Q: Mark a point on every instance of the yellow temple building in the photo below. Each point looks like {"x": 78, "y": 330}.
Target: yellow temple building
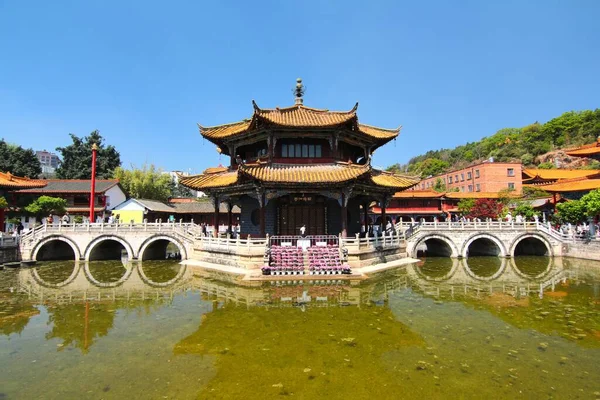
{"x": 299, "y": 166}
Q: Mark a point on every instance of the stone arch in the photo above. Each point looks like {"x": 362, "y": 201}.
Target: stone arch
{"x": 536, "y": 236}
{"x": 455, "y": 263}
{"x": 99, "y": 239}
{"x": 48, "y": 239}
{"x": 465, "y": 248}
{"x": 95, "y": 282}
{"x": 495, "y": 275}
{"x": 149, "y": 282}
{"x": 453, "y": 249}
{"x": 151, "y": 239}
{"x": 40, "y": 281}
{"x": 541, "y": 275}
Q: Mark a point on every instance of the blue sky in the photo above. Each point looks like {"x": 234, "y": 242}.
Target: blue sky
{"x": 145, "y": 72}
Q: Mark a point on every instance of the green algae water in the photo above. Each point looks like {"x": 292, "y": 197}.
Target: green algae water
{"x": 442, "y": 328}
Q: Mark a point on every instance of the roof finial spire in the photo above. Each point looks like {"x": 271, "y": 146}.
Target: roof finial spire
{"x": 299, "y": 91}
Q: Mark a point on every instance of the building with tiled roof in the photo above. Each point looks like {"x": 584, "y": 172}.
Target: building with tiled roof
{"x": 428, "y": 204}
{"x": 589, "y": 150}
{"x": 182, "y": 209}
{"x": 532, "y": 176}
{"x": 10, "y": 183}
{"x": 77, "y": 194}
{"x": 298, "y": 166}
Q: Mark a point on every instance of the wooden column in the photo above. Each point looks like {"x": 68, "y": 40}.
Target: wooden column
{"x": 216, "y": 203}
{"x": 229, "y": 217}
{"x": 383, "y": 216}
{"x": 344, "y": 216}
{"x": 262, "y": 214}
{"x": 366, "y": 218}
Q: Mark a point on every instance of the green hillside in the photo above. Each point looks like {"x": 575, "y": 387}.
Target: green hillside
{"x": 525, "y": 144}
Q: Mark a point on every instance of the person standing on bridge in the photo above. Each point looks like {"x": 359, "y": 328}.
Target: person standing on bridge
{"x": 66, "y": 219}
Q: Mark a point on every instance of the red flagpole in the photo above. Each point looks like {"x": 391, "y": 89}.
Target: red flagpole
{"x": 93, "y": 188}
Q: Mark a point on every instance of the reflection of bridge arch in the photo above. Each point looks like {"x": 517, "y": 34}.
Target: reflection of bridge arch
{"x": 149, "y": 282}
{"x": 496, "y": 274}
{"x": 517, "y": 270}
{"x": 47, "y": 240}
{"x": 453, "y": 250}
{"x": 96, "y": 282}
{"x": 484, "y": 237}
{"x": 103, "y": 238}
{"x": 450, "y": 274}
{"x": 42, "y": 282}
{"x": 167, "y": 238}
{"x": 532, "y": 237}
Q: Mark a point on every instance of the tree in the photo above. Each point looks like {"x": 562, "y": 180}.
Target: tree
{"x": 19, "y": 161}
{"x": 465, "y": 206}
{"x": 571, "y": 211}
{"x": 591, "y": 203}
{"x": 178, "y": 190}
{"x": 439, "y": 185}
{"x": 546, "y": 165}
{"x": 486, "y": 208}
{"x": 525, "y": 210}
{"x": 77, "y": 158}
{"x": 147, "y": 182}
{"x": 46, "y": 205}
{"x": 3, "y": 202}
{"x": 532, "y": 192}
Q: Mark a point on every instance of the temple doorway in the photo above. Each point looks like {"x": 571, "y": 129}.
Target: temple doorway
{"x": 296, "y": 210}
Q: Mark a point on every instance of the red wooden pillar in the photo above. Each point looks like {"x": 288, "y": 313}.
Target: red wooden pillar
{"x": 216, "y": 216}
{"x": 93, "y": 187}
{"x": 344, "y": 216}
{"x": 262, "y": 215}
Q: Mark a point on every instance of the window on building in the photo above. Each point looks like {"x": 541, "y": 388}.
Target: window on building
{"x": 296, "y": 150}
{"x": 469, "y": 176}
{"x": 510, "y": 171}
{"x": 455, "y": 178}
{"x": 511, "y": 185}
{"x": 462, "y": 177}
{"x": 449, "y": 179}
{"x": 462, "y": 188}
{"x": 477, "y": 187}
{"x": 476, "y": 173}
{"x": 470, "y": 188}
{"x": 81, "y": 200}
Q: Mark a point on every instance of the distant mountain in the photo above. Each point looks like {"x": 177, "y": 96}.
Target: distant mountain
{"x": 529, "y": 144}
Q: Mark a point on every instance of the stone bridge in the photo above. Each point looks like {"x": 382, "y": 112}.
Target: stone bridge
{"x": 464, "y": 239}
{"x": 88, "y": 242}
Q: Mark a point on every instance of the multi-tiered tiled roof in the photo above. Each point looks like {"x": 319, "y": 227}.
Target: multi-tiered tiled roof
{"x": 297, "y": 116}
{"x": 12, "y": 182}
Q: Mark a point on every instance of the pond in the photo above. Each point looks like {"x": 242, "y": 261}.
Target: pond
{"x": 478, "y": 328}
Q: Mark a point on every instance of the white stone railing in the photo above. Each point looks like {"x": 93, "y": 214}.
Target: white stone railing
{"x": 185, "y": 230}
{"x": 369, "y": 243}
{"x": 249, "y": 245}
{"x": 9, "y": 241}
{"x": 411, "y": 229}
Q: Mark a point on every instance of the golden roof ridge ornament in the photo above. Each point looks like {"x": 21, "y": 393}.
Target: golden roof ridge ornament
{"x": 299, "y": 92}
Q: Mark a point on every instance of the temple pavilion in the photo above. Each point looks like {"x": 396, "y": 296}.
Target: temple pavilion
{"x": 299, "y": 166}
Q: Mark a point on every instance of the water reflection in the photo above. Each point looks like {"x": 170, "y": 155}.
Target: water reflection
{"x": 478, "y": 329}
